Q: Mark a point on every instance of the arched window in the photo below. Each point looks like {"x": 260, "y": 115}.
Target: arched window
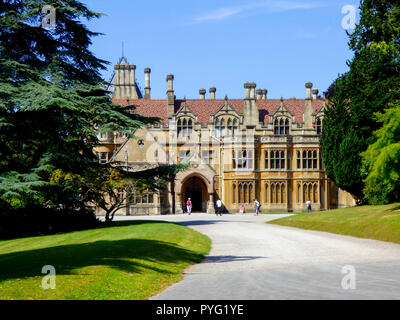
{"x": 190, "y": 127}
{"x": 305, "y": 193}
{"x": 250, "y": 193}
{"x": 315, "y": 188}
{"x": 230, "y": 127}
{"x": 298, "y": 193}
{"x": 283, "y": 193}
{"x": 315, "y": 160}
{"x": 235, "y": 127}
{"x": 217, "y": 129}
{"x": 223, "y": 128}
{"x": 298, "y": 160}
{"x": 319, "y": 126}
{"x": 184, "y": 131}
{"x": 278, "y": 193}
{"x": 282, "y": 160}
{"x": 282, "y": 127}
{"x": 272, "y": 157}
{"x": 273, "y": 193}
{"x": 185, "y": 127}
{"x": 179, "y": 127}
{"x": 287, "y": 127}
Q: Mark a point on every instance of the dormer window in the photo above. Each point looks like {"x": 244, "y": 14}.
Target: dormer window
{"x": 319, "y": 126}
{"x": 281, "y": 127}
{"x": 185, "y": 127}
{"x": 226, "y": 127}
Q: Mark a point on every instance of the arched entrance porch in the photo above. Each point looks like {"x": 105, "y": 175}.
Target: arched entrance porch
{"x": 196, "y": 183}
{"x": 195, "y": 189}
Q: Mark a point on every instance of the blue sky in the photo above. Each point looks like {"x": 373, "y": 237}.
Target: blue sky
{"x": 279, "y": 44}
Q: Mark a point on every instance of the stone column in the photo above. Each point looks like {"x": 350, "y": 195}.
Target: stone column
{"x": 178, "y": 204}
{"x": 210, "y": 204}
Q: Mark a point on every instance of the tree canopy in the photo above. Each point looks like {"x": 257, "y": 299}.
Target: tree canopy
{"x": 369, "y": 86}
{"x": 53, "y": 103}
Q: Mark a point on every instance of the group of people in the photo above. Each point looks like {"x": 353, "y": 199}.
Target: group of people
{"x": 219, "y": 207}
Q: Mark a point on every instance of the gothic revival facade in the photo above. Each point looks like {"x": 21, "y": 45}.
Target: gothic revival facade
{"x": 239, "y": 150}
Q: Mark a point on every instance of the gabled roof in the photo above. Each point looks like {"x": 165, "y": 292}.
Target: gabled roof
{"x": 205, "y": 108}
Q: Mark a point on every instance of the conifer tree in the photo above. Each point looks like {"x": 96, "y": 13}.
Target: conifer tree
{"x": 371, "y": 83}
{"x": 52, "y": 100}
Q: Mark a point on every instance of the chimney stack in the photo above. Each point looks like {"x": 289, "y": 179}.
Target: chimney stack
{"x": 202, "y": 94}
{"x": 247, "y": 91}
{"x": 259, "y": 93}
{"x": 309, "y": 86}
{"x": 212, "y": 93}
{"x": 147, "y": 88}
{"x": 170, "y": 96}
{"x": 124, "y": 82}
{"x": 253, "y": 91}
{"x": 315, "y": 94}
{"x": 264, "y": 94}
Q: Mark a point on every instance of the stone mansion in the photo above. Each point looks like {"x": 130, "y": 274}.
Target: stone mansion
{"x": 239, "y": 149}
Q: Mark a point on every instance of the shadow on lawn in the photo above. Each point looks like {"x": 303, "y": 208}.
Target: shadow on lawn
{"x": 114, "y": 254}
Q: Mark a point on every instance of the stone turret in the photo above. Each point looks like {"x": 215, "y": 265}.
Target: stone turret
{"x": 124, "y": 81}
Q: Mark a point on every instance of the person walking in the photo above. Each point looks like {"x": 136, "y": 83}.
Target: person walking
{"x": 308, "y": 203}
{"x": 189, "y": 206}
{"x": 242, "y": 209}
{"x": 257, "y": 206}
{"x": 219, "y": 207}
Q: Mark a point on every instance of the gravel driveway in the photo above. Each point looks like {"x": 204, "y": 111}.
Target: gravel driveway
{"x": 252, "y": 260}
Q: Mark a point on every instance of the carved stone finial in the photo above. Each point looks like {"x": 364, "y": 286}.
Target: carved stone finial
{"x": 226, "y": 97}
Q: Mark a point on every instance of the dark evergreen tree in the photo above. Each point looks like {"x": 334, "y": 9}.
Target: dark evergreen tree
{"x": 370, "y": 85}
{"x": 52, "y": 99}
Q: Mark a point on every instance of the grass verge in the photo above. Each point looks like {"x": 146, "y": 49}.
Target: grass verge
{"x": 372, "y": 222}
{"x": 134, "y": 261}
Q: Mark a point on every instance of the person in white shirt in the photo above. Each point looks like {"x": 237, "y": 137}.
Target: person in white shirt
{"x": 308, "y": 203}
{"x": 257, "y": 206}
{"x": 219, "y": 208}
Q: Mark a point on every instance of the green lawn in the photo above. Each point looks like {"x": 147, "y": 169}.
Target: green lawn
{"x": 129, "y": 261}
{"x": 373, "y": 222}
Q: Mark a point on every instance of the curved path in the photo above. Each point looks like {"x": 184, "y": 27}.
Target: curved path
{"x": 252, "y": 260}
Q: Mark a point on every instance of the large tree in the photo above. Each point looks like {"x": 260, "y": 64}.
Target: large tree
{"x": 371, "y": 83}
{"x": 52, "y": 100}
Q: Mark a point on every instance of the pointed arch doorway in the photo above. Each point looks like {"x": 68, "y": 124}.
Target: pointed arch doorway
{"x": 196, "y": 189}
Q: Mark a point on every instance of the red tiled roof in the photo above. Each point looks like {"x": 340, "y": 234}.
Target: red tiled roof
{"x": 205, "y": 108}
